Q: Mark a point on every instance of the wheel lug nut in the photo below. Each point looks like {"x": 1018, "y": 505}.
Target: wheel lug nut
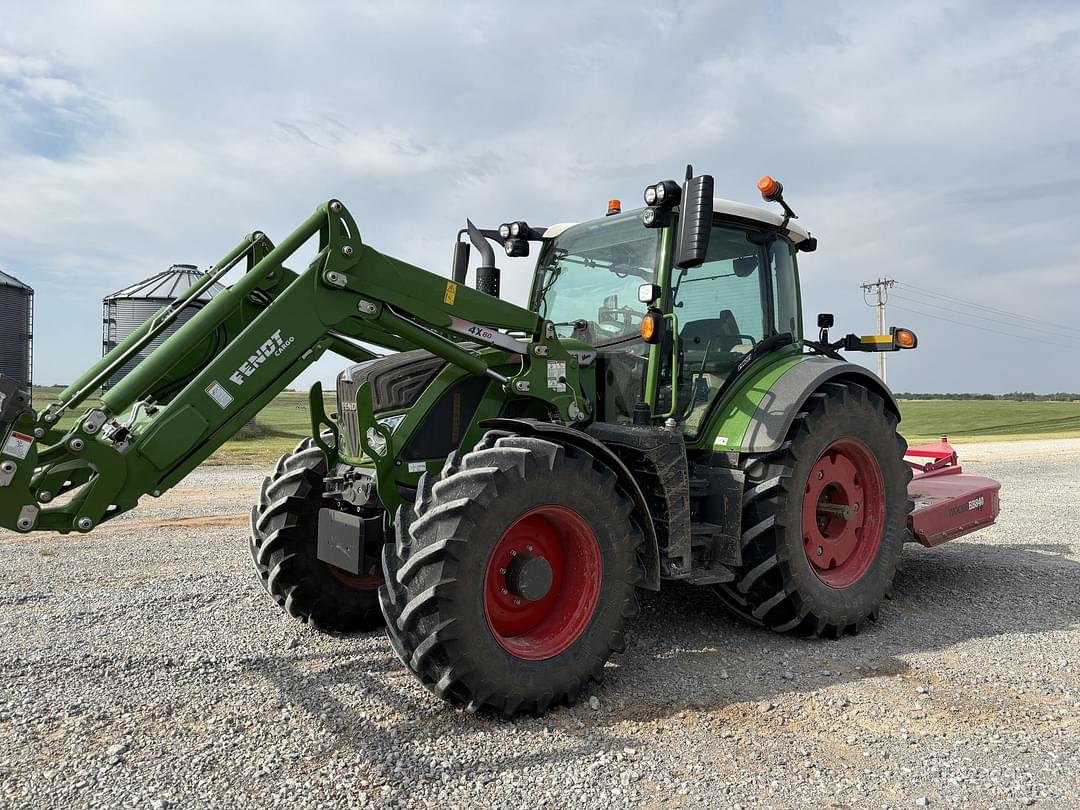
{"x": 513, "y": 553}
{"x": 504, "y": 592}
{"x": 502, "y": 570}
{"x": 517, "y": 601}
{"x": 820, "y": 551}
{"x": 855, "y": 508}
{"x": 820, "y": 474}
{"x": 528, "y": 548}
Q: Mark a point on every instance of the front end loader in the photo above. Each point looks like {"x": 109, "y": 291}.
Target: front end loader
{"x": 498, "y": 487}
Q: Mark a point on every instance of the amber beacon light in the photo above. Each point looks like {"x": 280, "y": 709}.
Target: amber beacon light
{"x": 770, "y": 188}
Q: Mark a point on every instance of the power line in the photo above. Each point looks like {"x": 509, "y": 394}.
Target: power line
{"x": 953, "y": 315}
{"x": 995, "y": 331}
{"x": 995, "y": 310}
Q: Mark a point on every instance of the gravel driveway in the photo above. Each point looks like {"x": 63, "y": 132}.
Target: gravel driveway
{"x": 143, "y": 666}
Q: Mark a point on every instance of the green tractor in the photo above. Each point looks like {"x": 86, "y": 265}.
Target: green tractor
{"x": 498, "y": 488}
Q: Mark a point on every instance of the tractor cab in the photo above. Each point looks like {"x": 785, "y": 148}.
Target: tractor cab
{"x": 671, "y": 330}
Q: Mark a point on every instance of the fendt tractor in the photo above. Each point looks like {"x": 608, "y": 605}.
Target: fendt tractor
{"x": 498, "y": 487}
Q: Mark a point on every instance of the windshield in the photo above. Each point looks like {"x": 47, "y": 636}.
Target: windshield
{"x": 588, "y": 278}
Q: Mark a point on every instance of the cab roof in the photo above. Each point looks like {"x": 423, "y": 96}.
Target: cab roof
{"x": 724, "y": 207}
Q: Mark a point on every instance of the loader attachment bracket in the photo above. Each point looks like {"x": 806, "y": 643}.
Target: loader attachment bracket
{"x": 13, "y": 402}
{"x": 320, "y": 422}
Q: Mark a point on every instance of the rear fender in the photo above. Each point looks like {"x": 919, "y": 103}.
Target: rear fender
{"x": 571, "y": 436}
{"x": 771, "y": 419}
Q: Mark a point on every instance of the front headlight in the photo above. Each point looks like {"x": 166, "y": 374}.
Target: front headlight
{"x": 376, "y": 441}
{"x": 391, "y": 422}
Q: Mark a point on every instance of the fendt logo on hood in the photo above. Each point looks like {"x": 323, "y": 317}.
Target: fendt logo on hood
{"x": 274, "y": 346}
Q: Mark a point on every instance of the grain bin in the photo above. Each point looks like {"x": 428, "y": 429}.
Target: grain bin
{"x": 127, "y": 309}
{"x": 16, "y": 330}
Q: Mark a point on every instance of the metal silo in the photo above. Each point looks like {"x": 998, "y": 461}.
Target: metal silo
{"x": 16, "y": 330}
{"x": 127, "y": 309}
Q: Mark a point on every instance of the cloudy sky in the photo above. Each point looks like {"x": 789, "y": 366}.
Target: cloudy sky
{"x": 937, "y": 144}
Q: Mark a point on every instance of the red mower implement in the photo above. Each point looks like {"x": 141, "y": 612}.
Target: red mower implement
{"x": 949, "y": 503}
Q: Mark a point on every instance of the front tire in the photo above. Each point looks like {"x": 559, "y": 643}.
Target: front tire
{"x": 513, "y": 575}
{"x": 824, "y": 518}
{"x": 284, "y": 549}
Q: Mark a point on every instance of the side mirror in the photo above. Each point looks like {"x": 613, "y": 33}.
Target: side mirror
{"x": 825, "y": 320}
{"x": 461, "y": 262}
{"x": 695, "y": 222}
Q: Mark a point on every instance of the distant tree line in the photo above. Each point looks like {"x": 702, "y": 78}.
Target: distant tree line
{"x": 1015, "y": 396}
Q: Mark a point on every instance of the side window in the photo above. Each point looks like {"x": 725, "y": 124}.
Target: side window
{"x": 785, "y": 287}
{"x": 722, "y": 298}
{"x": 722, "y": 313}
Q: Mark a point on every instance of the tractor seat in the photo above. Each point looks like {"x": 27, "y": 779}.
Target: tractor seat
{"x": 716, "y": 335}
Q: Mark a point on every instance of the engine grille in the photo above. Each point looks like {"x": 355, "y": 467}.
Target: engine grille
{"x": 396, "y": 383}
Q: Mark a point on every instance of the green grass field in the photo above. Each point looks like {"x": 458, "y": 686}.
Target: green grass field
{"x": 988, "y": 420}
{"x": 285, "y": 421}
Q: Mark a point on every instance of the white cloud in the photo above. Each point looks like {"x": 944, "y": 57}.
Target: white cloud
{"x": 922, "y": 142}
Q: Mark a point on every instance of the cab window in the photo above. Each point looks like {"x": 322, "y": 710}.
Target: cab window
{"x": 722, "y": 313}
{"x": 785, "y": 287}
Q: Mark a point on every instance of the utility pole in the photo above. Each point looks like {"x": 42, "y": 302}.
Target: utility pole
{"x": 880, "y": 288}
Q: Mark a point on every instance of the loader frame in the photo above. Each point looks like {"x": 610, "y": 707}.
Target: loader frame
{"x": 217, "y": 371}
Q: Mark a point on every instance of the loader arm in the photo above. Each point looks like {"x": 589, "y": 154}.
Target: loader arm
{"x": 218, "y": 370}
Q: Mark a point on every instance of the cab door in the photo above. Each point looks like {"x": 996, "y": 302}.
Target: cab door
{"x": 718, "y": 312}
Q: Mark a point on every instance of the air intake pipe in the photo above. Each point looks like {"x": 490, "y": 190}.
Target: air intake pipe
{"x": 487, "y": 274}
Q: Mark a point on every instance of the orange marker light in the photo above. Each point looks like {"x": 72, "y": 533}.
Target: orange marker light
{"x": 905, "y": 339}
{"x": 614, "y": 207}
{"x": 770, "y": 189}
{"x": 650, "y": 331}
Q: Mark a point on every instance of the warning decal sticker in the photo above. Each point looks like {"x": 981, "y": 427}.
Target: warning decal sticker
{"x": 17, "y": 445}
{"x": 218, "y": 393}
{"x": 556, "y": 375}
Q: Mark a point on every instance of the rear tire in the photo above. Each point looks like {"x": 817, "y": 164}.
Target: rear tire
{"x": 284, "y": 546}
{"x": 513, "y": 575}
{"x": 824, "y": 519}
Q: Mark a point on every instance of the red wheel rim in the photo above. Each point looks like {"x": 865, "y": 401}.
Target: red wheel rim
{"x": 358, "y": 582}
{"x": 843, "y": 513}
{"x": 551, "y": 537}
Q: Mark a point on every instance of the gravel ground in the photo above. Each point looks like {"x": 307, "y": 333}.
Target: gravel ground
{"x": 144, "y": 667}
